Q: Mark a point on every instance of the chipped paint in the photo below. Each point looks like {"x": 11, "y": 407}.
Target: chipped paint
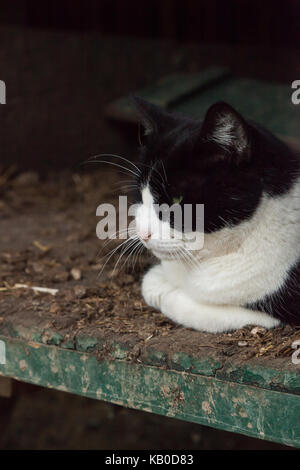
{"x": 200, "y": 398}
{"x": 34, "y": 345}
{"x": 23, "y": 365}
{"x": 206, "y": 407}
{"x": 242, "y": 413}
{"x": 54, "y": 369}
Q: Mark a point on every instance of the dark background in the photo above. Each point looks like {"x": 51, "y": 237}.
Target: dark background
{"x": 248, "y": 22}
{"x": 64, "y": 61}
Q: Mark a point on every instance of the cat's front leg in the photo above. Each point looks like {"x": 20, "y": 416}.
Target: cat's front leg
{"x": 179, "y": 307}
{"x": 155, "y": 286}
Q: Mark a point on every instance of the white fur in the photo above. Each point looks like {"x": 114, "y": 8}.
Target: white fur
{"x": 223, "y": 134}
{"x": 226, "y": 134}
{"x": 207, "y": 289}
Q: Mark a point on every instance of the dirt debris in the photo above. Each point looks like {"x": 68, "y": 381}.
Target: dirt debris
{"x": 49, "y": 240}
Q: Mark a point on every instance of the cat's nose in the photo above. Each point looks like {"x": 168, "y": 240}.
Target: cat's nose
{"x": 144, "y": 235}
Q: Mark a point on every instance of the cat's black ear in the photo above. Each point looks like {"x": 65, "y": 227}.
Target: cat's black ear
{"x": 153, "y": 118}
{"x": 226, "y": 129}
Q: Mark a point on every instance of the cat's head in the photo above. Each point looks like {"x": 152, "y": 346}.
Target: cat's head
{"x": 219, "y": 163}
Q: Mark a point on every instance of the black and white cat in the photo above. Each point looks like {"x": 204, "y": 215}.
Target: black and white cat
{"x": 248, "y": 271}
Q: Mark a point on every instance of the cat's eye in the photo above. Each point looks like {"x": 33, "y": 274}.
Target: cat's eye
{"x": 177, "y": 200}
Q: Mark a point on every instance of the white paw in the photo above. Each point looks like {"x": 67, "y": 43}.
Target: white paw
{"x": 264, "y": 320}
{"x": 154, "y": 286}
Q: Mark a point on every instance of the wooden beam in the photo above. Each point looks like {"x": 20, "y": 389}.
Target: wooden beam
{"x": 243, "y": 400}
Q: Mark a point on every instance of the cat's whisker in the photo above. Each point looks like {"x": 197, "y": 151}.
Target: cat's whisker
{"x": 116, "y": 165}
{"x": 183, "y": 256}
{"x": 189, "y": 257}
{"x": 114, "y": 236}
{"x": 120, "y": 184}
{"x": 132, "y": 254}
{"x": 138, "y": 255}
{"x": 164, "y": 170}
{"x": 126, "y": 248}
{"x": 152, "y": 168}
{"x": 101, "y": 155}
{"x": 128, "y": 187}
{"x": 193, "y": 257}
{"x": 110, "y": 254}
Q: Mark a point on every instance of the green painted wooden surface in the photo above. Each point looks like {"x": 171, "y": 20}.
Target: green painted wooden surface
{"x": 253, "y": 400}
{"x": 191, "y": 94}
{"x": 264, "y": 102}
{"x": 280, "y": 375}
{"x": 167, "y": 91}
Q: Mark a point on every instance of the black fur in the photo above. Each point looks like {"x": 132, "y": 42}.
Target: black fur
{"x": 285, "y": 303}
{"x": 228, "y": 180}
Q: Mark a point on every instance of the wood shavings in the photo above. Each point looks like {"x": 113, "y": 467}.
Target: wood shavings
{"x": 36, "y": 288}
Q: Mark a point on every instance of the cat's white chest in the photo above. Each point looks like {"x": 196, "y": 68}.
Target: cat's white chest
{"x": 176, "y": 273}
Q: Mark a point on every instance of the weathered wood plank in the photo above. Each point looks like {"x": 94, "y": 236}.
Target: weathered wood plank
{"x": 280, "y": 375}
{"x": 224, "y": 404}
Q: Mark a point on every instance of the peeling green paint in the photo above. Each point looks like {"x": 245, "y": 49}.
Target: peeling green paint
{"x": 206, "y": 366}
{"x": 120, "y": 351}
{"x": 52, "y": 337}
{"x": 257, "y": 398}
{"x": 86, "y": 343}
{"x": 204, "y": 399}
{"x": 267, "y": 377}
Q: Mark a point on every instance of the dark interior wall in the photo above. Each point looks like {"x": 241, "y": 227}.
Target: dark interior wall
{"x": 63, "y": 62}
{"x": 269, "y": 22}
